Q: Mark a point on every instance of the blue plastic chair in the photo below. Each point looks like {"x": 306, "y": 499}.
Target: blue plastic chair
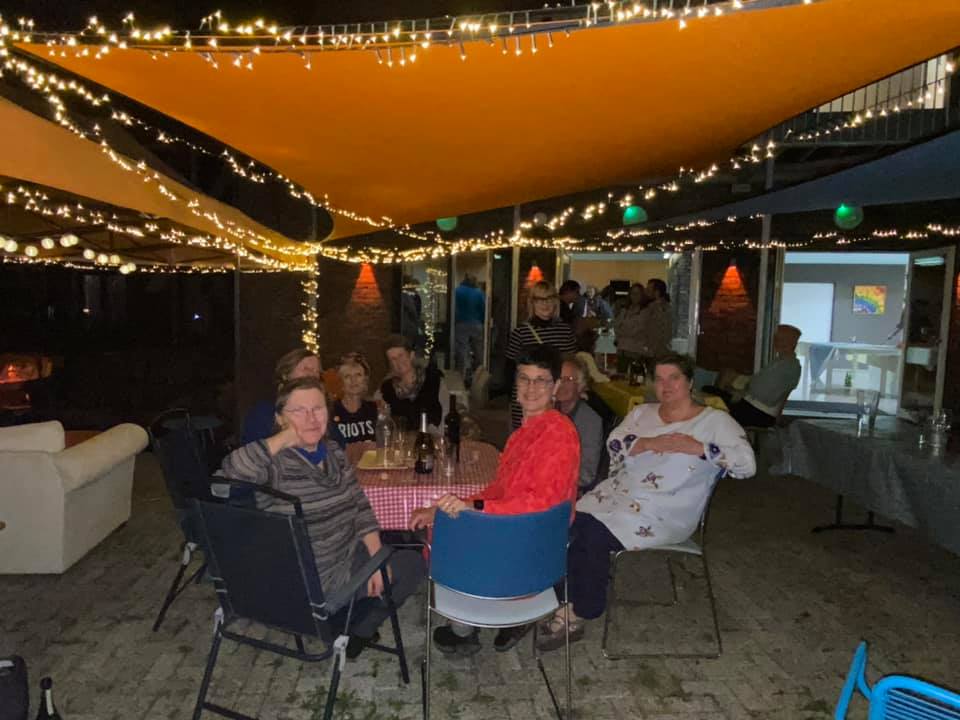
{"x": 497, "y": 571}
{"x": 896, "y": 697}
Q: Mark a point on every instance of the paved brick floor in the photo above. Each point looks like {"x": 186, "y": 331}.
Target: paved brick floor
{"x": 792, "y": 607}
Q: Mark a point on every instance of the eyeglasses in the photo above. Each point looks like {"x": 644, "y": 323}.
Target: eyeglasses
{"x": 540, "y": 383}
{"x": 568, "y": 378}
{"x": 545, "y": 298}
{"x": 302, "y": 412}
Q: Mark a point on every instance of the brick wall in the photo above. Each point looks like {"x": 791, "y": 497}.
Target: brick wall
{"x": 355, "y": 308}
{"x": 728, "y": 310}
{"x": 270, "y": 325}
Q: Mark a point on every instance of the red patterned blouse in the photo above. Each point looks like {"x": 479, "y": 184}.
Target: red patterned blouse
{"x": 538, "y": 469}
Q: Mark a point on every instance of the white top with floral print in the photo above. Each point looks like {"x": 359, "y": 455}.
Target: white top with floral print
{"x": 653, "y": 499}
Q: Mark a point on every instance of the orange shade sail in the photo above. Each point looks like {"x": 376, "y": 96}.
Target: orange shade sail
{"x": 603, "y": 107}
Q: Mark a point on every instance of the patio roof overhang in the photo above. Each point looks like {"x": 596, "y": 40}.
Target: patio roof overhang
{"x": 605, "y": 106}
{"x": 36, "y": 151}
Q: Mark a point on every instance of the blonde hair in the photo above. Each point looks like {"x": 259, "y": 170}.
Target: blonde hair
{"x": 546, "y": 290}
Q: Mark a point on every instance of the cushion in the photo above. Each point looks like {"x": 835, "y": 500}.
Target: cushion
{"x": 33, "y": 437}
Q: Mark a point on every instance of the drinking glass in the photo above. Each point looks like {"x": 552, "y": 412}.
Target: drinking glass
{"x": 446, "y": 459}
{"x": 867, "y": 404}
{"x": 940, "y": 425}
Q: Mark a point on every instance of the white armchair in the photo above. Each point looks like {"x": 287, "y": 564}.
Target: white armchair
{"x": 56, "y": 504}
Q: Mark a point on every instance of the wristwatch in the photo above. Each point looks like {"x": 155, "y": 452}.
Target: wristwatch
{"x": 478, "y": 505}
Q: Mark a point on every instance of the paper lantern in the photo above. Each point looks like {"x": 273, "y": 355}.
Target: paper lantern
{"x": 634, "y": 215}
{"x": 447, "y": 224}
{"x": 540, "y": 219}
{"x": 847, "y": 217}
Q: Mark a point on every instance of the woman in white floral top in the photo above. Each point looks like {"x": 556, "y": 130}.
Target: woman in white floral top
{"x": 665, "y": 458}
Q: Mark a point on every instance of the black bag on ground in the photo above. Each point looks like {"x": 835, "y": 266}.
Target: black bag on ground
{"x": 14, "y": 693}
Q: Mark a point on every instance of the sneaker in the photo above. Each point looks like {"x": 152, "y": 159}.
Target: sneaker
{"x": 356, "y": 645}
{"x": 449, "y": 643}
{"x": 510, "y": 636}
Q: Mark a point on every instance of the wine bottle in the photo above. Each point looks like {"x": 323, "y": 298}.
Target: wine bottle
{"x": 47, "y": 709}
{"x": 453, "y": 426}
{"x": 424, "y": 449}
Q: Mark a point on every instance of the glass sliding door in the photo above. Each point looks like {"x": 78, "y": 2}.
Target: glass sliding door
{"x": 923, "y": 331}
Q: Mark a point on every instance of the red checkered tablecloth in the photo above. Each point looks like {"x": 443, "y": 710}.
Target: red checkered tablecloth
{"x": 395, "y": 494}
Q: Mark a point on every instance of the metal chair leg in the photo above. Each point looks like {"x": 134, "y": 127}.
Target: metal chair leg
{"x": 334, "y": 684}
{"x": 395, "y": 625}
{"x": 610, "y": 604}
{"x": 713, "y": 603}
{"x": 208, "y": 673}
{"x": 175, "y": 587}
{"x": 425, "y": 674}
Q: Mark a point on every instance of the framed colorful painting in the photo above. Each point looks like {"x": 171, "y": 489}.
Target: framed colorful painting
{"x": 869, "y": 299}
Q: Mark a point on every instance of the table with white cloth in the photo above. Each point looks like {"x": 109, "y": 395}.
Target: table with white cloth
{"x": 885, "y": 471}
{"x": 395, "y": 494}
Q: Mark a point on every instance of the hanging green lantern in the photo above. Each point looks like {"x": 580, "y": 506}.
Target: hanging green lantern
{"x": 447, "y": 224}
{"x": 847, "y": 217}
{"x": 634, "y": 215}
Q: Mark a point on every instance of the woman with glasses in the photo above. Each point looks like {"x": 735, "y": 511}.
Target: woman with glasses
{"x": 353, "y": 415}
{"x": 571, "y": 401}
{"x": 300, "y": 460}
{"x": 538, "y": 469}
{"x": 543, "y": 327}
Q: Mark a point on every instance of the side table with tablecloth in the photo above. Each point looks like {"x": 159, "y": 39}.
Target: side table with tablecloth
{"x": 395, "y": 494}
{"x": 885, "y": 472}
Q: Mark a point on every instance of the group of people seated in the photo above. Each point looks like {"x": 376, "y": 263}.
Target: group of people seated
{"x": 664, "y": 459}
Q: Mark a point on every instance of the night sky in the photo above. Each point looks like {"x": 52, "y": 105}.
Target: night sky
{"x": 186, "y": 14}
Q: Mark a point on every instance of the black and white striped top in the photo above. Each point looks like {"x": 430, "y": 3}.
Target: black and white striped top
{"x": 335, "y": 508}
{"x": 555, "y": 333}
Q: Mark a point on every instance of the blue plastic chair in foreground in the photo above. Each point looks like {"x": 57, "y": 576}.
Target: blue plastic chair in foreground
{"x": 896, "y": 697}
{"x": 497, "y": 571}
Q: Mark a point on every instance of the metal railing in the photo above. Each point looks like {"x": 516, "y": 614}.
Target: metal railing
{"x": 900, "y": 108}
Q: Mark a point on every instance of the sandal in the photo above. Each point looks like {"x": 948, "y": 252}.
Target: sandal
{"x": 552, "y": 633}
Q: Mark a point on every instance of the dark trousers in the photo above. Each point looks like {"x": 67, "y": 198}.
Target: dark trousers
{"x": 749, "y": 416}
{"x": 407, "y": 571}
{"x": 588, "y": 565}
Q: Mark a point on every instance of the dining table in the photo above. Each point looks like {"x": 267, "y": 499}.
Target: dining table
{"x": 622, "y": 397}
{"x": 884, "y": 469}
{"x": 395, "y": 492}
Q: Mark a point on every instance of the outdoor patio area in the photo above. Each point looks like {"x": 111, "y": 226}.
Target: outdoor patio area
{"x": 792, "y": 607}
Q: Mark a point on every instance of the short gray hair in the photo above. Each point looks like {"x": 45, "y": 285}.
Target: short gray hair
{"x": 582, "y": 373}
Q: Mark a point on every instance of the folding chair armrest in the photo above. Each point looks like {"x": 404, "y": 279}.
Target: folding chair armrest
{"x": 342, "y": 597}
{"x": 256, "y": 488}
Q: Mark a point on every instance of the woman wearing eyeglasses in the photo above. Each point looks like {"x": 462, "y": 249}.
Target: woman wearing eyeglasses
{"x": 543, "y": 327}
{"x": 538, "y": 469}
{"x": 299, "y": 459}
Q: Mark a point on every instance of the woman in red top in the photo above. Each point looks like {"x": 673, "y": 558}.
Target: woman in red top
{"x": 538, "y": 469}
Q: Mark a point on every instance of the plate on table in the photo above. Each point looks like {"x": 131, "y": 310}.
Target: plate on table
{"x": 369, "y": 461}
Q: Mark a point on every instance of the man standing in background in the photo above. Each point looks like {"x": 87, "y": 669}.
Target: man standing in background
{"x": 469, "y": 307}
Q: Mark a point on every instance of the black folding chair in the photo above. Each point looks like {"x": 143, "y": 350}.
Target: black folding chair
{"x": 186, "y": 477}
{"x": 263, "y": 570}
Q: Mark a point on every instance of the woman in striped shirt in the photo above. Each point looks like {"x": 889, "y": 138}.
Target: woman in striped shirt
{"x": 543, "y": 327}
{"x": 301, "y": 460}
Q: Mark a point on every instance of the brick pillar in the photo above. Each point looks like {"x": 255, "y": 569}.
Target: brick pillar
{"x": 728, "y": 310}
{"x": 355, "y": 309}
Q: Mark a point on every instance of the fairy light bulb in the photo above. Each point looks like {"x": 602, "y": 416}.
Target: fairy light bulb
{"x": 31, "y": 251}
{"x": 89, "y": 254}
{"x": 48, "y": 243}
{"x": 103, "y": 259}
{"x": 10, "y": 246}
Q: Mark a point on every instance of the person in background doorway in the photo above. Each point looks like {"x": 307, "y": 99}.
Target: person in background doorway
{"x": 469, "y": 308}
{"x": 572, "y": 303}
{"x": 657, "y": 322}
{"x": 628, "y": 327}
{"x": 353, "y": 414}
{"x": 586, "y": 346}
{"x": 596, "y": 306}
